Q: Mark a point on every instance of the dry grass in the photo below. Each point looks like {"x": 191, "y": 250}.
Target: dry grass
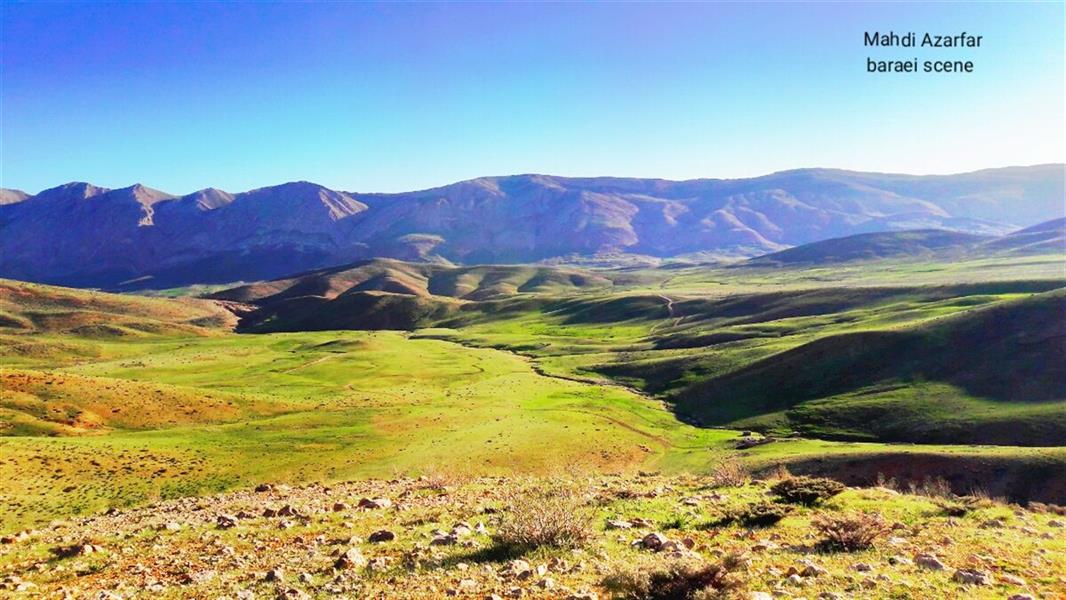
{"x": 729, "y": 472}
{"x": 440, "y": 480}
{"x": 679, "y": 579}
{"x": 932, "y": 487}
{"x": 850, "y": 532}
{"x": 555, "y": 516}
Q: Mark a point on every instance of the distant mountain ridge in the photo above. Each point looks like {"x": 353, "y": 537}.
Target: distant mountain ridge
{"x": 82, "y": 235}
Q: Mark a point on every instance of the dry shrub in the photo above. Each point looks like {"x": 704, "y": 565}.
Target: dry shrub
{"x": 850, "y": 532}
{"x": 439, "y": 480}
{"x": 983, "y": 496}
{"x": 807, "y": 491}
{"x": 555, "y": 515}
{"x": 933, "y": 487}
{"x": 889, "y": 483}
{"x": 679, "y": 579}
{"x": 960, "y": 506}
{"x": 776, "y": 473}
{"x": 729, "y": 473}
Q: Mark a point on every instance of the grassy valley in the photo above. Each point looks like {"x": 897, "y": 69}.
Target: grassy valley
{"x": 384, "y": 369}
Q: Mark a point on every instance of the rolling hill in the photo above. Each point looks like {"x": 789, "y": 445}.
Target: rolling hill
{"x": 1049, "y": 236}
{"x": 83, "y": 235}
{"x": 28, "y": 309}
{"x": 391, "y": 294}
{"x": 921, "y": 244}
{"x": 983, "y": 376}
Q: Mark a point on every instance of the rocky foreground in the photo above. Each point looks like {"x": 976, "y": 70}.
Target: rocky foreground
{"x": 644, "y": 536}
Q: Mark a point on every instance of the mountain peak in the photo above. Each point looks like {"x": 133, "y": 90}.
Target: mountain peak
{"x": 296, "y": 195}
{"x": 143, "y": 194}
{"x": 75, "y": 190}
{"x": 10, "y": 196}
{"x": 209, "y": 198}
{"x": 524, "y": 218}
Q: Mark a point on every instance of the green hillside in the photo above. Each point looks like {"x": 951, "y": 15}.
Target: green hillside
{"x": 915, "y": 244}
{"x": 996, "y": 374}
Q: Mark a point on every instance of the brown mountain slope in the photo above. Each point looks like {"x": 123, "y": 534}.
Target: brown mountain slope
{"x": 133, "y": 238}
{"x": 391, "y": 294}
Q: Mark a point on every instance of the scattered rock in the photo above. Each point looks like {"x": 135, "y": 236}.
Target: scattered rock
{"x": 929, "y": 561}
{"x": 11, "y": 539}
{"x": 226, "y": 521}
{"x": 289, "y": 511}
{"x": 971, "y": 577}
{"x": 751, "y": 442}
{"x": 653, "y": 541}
{"x": 619, "y": 524}
{"x": 275, "y": 574}
{"x": 373, "y": 503}
{"x": 517, "y": 568}
{"x": 76, "y": 550}
{"x": 350, "y": 559}
{"x": 813, "y": 570}
{"x": 383, "y": 535}
{"x": 1011, "y": 579}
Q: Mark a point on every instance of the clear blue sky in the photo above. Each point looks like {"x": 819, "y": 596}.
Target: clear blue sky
{"x": 392, "y": 97}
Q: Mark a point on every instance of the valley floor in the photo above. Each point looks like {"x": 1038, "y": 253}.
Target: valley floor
{"x": 167, "y": 418}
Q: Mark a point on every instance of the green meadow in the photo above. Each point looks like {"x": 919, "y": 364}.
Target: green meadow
{"x": 121, "y": 400}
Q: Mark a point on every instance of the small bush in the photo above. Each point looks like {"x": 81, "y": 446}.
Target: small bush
{"x": 729, "y": 473}
{"x": 683, "y": 579}
{"x": 807, "y": 491}
{"x": 438, "y": 480}
{"x": 555, "y": 517}
{"x": 763, "y": 514}
{"x": 960, "y": 506}
{"x": 933, "y": 487}
{"x": 850, "y": 532}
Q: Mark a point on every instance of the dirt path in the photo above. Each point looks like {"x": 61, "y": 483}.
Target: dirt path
{"x": 309, "y": 363}
{"x": 670, "y": 312}
{"x": 666, "y": 443}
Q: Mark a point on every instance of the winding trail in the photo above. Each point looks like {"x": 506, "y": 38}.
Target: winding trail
{"x": 671, "y": 314}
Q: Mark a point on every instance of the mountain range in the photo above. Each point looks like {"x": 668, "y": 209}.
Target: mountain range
{"x": 137, "y": 237}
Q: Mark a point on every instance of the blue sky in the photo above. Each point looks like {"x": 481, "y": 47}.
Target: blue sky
{"x": 393, "y": 97}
